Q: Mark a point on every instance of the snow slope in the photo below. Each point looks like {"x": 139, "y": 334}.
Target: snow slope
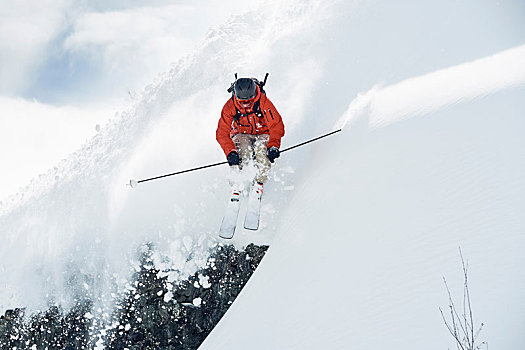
{"x": 424, "y": 166}
{"x": 362, "y": 225}
{"x": 359, "y": 260}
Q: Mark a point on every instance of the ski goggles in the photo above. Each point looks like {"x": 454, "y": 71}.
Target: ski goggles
{"x": 246, "y": 103}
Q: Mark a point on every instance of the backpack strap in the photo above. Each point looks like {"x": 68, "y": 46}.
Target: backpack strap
{"x": 256, "y": 110}
{"x": 261, "y": 83}
{"x": 238, "y": 113}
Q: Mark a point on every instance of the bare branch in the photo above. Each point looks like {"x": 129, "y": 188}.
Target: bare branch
{"x": 452, "y": 331}
{"x": 461, "y": 327}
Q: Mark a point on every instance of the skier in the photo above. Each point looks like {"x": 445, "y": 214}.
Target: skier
{"x": 250, "y": 128}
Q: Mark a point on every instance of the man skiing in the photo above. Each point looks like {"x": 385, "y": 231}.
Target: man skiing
{"x": 250, "y": 128}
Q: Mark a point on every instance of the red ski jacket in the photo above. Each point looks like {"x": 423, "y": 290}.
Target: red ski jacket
{"x": 261, "y": 118}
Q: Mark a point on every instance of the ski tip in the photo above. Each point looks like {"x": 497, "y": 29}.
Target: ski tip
{"x": 132, "y": 183}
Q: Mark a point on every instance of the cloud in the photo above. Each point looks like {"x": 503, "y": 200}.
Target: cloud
{"x": 58, "y": 50}
{"x": 131, "y": 46}
{"x": 26, "y": 30}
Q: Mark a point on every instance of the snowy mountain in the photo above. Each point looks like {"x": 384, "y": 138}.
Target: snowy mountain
{"x": 362, "y": 226}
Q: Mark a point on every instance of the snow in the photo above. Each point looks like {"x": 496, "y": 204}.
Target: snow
{"x": 197, "y": 302}
{"x": 204, "y": 281}
{"x": 168, "y": 296}
{"x": 362, "y": 225}
{"x": 390, "y": 217}
{"x": 436, "y": 90}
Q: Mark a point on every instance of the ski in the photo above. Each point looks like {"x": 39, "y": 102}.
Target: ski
{"x": 253, "y": 212}
{"x": 229, "y": 221}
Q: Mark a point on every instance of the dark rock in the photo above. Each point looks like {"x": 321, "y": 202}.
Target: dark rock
{"x": 144, "y": 319}
{"x": 52, "y": 329}
{"x": 179, "y": 324}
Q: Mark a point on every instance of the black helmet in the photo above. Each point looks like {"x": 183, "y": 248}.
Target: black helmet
{"x": 244, "y": 89}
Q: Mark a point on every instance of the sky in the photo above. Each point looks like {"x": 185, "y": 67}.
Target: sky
{"x": 66, "y": 67}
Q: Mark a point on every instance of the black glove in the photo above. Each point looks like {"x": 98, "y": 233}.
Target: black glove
{"x": 273, "y": 152}
{"x": 233, "y": 158}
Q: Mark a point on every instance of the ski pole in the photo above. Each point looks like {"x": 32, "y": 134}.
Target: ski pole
{"x": 134, "y": 183}
{"x": 312, "y": 140}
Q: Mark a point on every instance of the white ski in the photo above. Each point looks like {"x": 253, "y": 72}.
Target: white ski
{"x": 251, "y": 220}
{"x": 229, "y": 221}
